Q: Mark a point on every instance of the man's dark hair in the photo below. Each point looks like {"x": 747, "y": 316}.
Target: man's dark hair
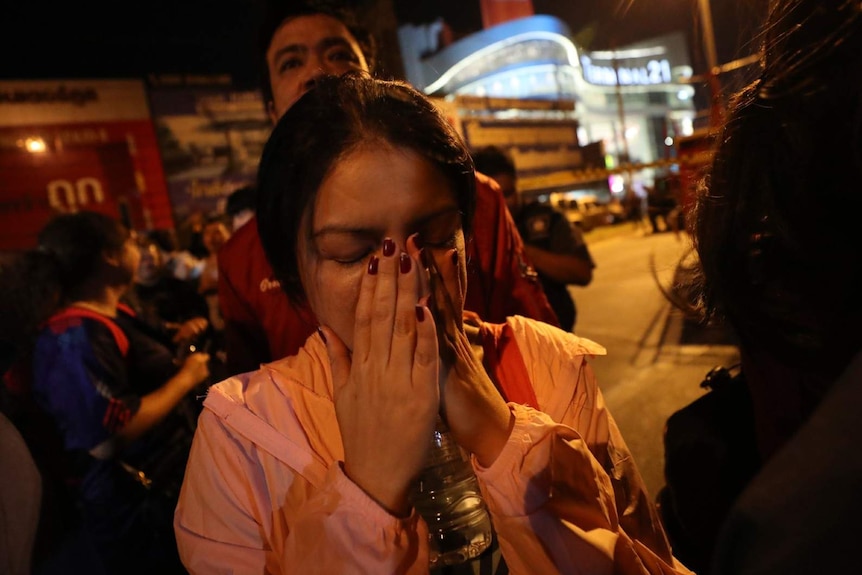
{"x": 277, "y": 11}
{"x": 240, "y": 199}
{"x": 328, "y": 122}
{"x": 492, "y": 160}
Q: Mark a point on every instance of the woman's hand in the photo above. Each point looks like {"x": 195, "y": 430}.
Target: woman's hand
{"x": 386, "y": 391}
{"x": 477, "y": 415}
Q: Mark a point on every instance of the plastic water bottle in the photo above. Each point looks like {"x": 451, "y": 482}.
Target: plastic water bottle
{"x": 447, "y": 496}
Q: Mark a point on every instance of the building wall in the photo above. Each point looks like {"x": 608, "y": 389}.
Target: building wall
{"x": 72, "y": 145}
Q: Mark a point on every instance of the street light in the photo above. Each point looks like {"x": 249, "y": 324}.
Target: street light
{"x": 716, "y": 109}
{"x": 708, "y": 34}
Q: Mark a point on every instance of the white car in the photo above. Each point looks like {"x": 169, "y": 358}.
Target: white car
{"x": 586, "y": 212}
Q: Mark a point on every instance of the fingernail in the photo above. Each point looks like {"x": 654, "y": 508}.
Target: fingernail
{"x": 455, "y": 257}
{"x": 388, "y": 247}
{"x": 404, "y": 263}
{"x": 417, "y": 241}
{"x": 372, "y": 265}
{"x": 322, "y": 335}
{"x": 420, "y": 313}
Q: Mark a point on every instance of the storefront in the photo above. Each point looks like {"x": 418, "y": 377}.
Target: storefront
{"x": 78, "y": 144}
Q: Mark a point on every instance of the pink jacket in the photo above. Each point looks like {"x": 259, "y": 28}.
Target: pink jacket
{"x": 263, "y": 492}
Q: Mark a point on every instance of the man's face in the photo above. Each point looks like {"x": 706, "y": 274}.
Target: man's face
{"x": 303, "y": 49}
{"x": 150, "y": 265}
{"x": 215, "y": 235}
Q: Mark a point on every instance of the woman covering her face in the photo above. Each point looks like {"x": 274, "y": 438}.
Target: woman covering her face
{"x": 305, "y": 465}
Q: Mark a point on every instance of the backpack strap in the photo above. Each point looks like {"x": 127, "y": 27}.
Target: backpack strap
{"x": 126, "y": 310}
{"x": 71, "y": 314}
{"x": 505, "y": 364}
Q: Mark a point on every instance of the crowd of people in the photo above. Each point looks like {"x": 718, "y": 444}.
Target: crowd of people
{"x": 258, "y": 397}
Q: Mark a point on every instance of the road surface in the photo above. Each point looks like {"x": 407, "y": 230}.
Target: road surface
{"x": 656, "y": 359}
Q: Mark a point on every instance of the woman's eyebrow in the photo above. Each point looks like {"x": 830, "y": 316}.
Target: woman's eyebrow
{"x": 368, "y": 231}
{"x": 345, "y": 230}
{"x": 438, "y": 214}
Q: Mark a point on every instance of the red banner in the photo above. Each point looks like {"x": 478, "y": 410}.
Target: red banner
{"x": 70, "y": 164}
{"x": 499, "y": 11}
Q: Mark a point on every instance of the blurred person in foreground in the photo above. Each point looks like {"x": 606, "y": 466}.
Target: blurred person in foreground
{"x": 776, "y": 231}
{"x": 89, "y": 379}
{"x": 555, "y": 246}
{"x": 366, "y": 197}
{"x": 299, "y": 42}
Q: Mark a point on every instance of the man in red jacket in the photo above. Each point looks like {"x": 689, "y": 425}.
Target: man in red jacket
{"x": 299, "y": 43}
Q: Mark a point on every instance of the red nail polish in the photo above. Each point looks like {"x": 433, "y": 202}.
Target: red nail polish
{"x": 388, "y": 247}
{"x": 372, "y": 265}
{"x": 417, "y": 241}
{"x": 404, "y": 263}
{"x": 420, "y": 313}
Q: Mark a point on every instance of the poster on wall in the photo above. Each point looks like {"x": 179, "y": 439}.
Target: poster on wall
{"x": 210, "y": 139}
{"x": 70, "y": 145}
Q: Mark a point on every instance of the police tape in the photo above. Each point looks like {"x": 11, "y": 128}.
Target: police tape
{"x": 689, "y": 164}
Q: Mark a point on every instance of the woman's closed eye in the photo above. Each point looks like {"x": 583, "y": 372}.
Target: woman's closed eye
{"x": 344, "y": 249}
{"x": 447, "y": 242}
{"x": 352, "y": 260}
{"x": 441, "y": 231}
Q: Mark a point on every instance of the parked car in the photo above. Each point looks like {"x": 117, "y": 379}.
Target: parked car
{"x": 586, "y": 212}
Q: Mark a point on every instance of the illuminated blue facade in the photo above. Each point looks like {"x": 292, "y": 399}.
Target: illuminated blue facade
{"x": 634, "y": 99}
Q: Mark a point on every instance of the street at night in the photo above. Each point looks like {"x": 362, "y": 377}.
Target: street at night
{"x": 290, "y": 286}
{"x": 656, "y": 360}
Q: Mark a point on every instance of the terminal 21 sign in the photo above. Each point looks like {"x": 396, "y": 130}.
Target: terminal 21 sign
{"x": 646, "y": 74}
{"x": 661, "y": 61}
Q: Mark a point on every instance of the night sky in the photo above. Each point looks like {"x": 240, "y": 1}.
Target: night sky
{"x": 113, "y": 39}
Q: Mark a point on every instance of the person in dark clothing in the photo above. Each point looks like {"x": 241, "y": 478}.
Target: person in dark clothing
{"x": 170, "y": 306}
{"x": 107, "y": 399}
{"x": 553, "y": 244}
{"x": 775, "y": 226}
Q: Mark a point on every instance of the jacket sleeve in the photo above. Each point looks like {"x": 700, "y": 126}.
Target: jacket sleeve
{"x": 571, "y": 478}
{"x": 509, "y": 280}
{"x": 231, "y": 518}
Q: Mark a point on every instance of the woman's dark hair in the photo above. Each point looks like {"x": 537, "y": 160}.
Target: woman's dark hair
{"x": 276, "y": 12}
{"x": 37, "y": 282}
{"x": 776, "y": 223}
{"x": 327, "y": 123}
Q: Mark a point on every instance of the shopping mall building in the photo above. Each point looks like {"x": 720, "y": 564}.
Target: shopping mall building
{"x": 564, "y": 114}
